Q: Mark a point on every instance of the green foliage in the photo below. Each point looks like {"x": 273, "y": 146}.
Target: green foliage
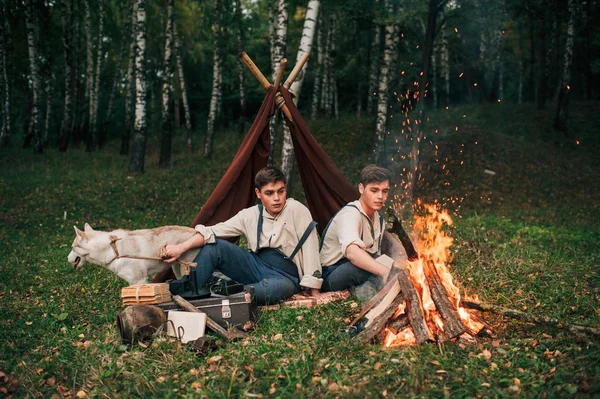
{"x": 525, "y": 238}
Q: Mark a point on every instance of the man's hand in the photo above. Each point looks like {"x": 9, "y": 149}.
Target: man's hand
{"x": 173, "y": 252}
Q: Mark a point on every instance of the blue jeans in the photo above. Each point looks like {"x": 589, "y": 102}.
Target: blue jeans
{"x": 342, "y": 275}
{"x": 273, "y": 281}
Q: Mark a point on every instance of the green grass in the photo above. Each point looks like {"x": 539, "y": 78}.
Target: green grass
{"x": 526, "y": 238}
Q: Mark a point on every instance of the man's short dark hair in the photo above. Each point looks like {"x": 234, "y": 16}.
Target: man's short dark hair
{"x": 374, "y": 174}
{"x": 268, "y": 175}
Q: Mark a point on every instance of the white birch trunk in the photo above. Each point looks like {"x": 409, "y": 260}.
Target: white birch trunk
{"x": 96, "y": 89}
{"x": 165, "y": 140}
{"x": 563, "y": 99}
{"x": 382, "y": 91}
{"x": 186, "y": 106}
{"x": 216, "y": 84}
{"x": 34, "y": 124}
{"x": 445, "y": 65}
{"x": 318, "y": 74}
{"x": 331, "y": 85}
{"x": 89, "y": 81}
{"x": 308, "y": 34}
{"x": 520, "y": 86}
{"x": 130, "y": 84}
{"x": 240, "y": 65}
{"x": 278, "y": 47}
{"x": 138, "y": 148}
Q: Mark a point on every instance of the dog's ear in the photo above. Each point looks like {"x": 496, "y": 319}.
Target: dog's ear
{"x": 87, "y": 228}
{"x": 80, "y": 234}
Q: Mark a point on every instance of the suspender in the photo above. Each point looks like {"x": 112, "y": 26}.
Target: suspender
{"x": 361, "y": 233}
{"x": 303, "y": 239}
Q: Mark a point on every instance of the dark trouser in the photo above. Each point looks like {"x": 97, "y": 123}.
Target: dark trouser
{"x": 273, "y": 277}
{"x": 342, "y": 275}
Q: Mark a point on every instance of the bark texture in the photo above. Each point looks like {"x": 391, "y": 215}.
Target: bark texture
{"x": 186, "y": 106}
{"x": 166, "y": 127}
{"x": 34, "y": 135}
{"x": 213, "y": 110}
{"x": 563, "y": 98}
{"x": 138, "y": 147}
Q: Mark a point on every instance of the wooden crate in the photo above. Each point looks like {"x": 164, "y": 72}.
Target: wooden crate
{"x": 146, "y": 294}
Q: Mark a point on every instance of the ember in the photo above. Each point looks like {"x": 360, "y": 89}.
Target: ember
{"x": 421, "y": 303}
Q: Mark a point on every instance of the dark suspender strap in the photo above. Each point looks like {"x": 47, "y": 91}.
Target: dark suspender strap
{"x": 304, "y": 237}
{"x": 381, "y": 221}
{"x": 259, "y": 226}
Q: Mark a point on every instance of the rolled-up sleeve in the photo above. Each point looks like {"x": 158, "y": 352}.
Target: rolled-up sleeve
{"x": 348, "y": 229}
{"x": 311, "y": 265}
{"x": 232, "y": 227}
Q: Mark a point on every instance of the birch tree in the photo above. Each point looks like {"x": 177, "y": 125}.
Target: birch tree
{"x": 184, "y": 99}
{"x": 96, "y": 87}
{"x": 563, "y": 98}
{"x": 33, "y": 135}
{"x": 89, "y": 81}
{"x": 216, "y": 84}
{"x": 138, "y": 147}
{"x": 240, "y": 67}
{"x": 166, "y": 131}
{"x": 318, "y": 74}
{"x": 382, "y": 90}
{"x": 547, "y": 55}
{"x": 374, "y": 57}
{"x": 279, "y": 17}
{"x": 5, "y": 84}
{"x": 130, "y": 84}
{"x": 308, "y": 33}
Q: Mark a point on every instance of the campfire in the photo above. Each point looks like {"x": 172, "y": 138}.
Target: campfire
{"x": 421, "y": 302}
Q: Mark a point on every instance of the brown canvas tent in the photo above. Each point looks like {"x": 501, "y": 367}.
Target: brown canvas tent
{"x": 325, "y": 186}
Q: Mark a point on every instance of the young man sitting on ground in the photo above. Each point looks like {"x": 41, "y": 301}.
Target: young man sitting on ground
{"x": 283, "y": 245}
{"x": 353, "y": 237}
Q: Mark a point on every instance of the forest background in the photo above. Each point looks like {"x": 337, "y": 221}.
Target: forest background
{"x": 126, "y": 114}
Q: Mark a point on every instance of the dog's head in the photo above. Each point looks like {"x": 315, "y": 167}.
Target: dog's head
{"x": 81, "y": 247}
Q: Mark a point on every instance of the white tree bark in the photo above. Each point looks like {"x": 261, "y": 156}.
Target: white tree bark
{"x": 382, "y": 90}
{"x": 130, "y": 84}
{"x": 434, "y": 79}
{"x": 186, "y": 106}
{"x": 96, "y": 89}
{"x": 318, "y": 74}
{"x": 138, "y": 148}
{"x": 165, "y": 141}
{"x": 563, "y": 99}
{"x": 67, "y": 121}
{"x": 48, "y": 110}
{"x": 240, "y": 66}
{"x": 308, "y": 34}
{"x": 89, "y": 81}
{"x": 216, "y": 85}
{"x": 278, "y": 46}
{"x": 34, "y": 124}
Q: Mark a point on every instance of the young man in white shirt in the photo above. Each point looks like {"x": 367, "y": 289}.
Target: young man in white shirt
{"x": 352, "y": 239}
{"x": 283, "y": 247}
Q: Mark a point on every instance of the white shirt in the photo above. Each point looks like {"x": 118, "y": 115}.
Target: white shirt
{"x": 282, "y": 232}
{"x": 351, "y": 226}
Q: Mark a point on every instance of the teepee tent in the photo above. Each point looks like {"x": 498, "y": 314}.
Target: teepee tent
{"x": 325, "y": 186}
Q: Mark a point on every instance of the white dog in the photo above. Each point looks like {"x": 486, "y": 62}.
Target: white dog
{"x": 132, "y": 255}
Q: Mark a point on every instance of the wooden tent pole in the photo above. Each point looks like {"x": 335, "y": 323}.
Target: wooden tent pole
{"x": 264, "y": 82}
{"x": 255, "y": 71}
{"x": 297, "y": 68}
{"x": 279, "y": 75}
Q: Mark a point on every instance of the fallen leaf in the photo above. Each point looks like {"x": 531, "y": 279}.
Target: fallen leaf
{"x": 51, "y": 381}
{"x": 28, "y": 323}
{"x": 277, "y": 337}
{"x": 214, "y": 359}
{"x": 441, "y": 371}
{"x": 517, "y": 381}
{"x": 299, "y": 318}
{"x": 196, "y": 385}
{"x": 272, "y": 390}
{"x": 514, "y": 388}
{"x": 435, "y": 362}
{"x": 496, "y": 343}
{"x": 377, "y": 366}
{"x": 333, "y": 387}
{"x": 81, "y": 394}
{"x": 62, "y": 390}
{"x": 486, "y": 354}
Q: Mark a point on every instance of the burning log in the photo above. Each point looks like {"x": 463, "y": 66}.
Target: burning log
{"x": 453, "y": 326}
{"x": 576, "y": 329}
{"x": 373, "y": 328}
